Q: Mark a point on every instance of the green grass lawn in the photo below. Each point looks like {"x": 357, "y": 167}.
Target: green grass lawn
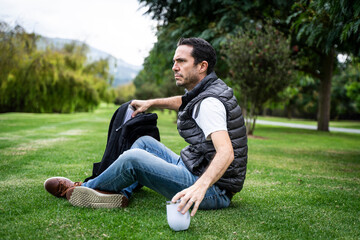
{"x": 337, "y": 123}
{"x": 301, "y": 184}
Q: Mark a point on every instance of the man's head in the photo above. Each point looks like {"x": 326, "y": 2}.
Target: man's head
{"x": 194, "y": 58}
{"x": 202, "y": 51}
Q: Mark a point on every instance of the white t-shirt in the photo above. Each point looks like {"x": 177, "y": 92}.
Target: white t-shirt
{"x": 211, "y": 117}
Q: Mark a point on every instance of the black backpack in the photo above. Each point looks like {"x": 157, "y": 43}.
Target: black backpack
{"x": 122, "y": 135}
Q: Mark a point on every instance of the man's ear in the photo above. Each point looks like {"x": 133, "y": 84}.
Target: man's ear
{"x": 203, "y": 66}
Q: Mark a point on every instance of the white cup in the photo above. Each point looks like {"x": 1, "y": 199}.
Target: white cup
{"x": 176, "y": 220}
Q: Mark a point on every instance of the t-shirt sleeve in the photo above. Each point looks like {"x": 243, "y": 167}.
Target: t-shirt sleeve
{"x": 211, "y": 116}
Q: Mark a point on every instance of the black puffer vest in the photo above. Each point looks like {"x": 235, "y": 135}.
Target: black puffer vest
{"x": 200, "y": 152}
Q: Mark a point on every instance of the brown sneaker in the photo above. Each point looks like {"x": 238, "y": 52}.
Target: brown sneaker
{"x": 88, "y": 197}
{"x": 58, "y": 186}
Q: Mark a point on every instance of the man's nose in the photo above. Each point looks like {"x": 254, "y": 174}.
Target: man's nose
{"x": 175, "y": 67}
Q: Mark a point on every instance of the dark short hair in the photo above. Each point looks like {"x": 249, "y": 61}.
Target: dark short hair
{"x": 202, "y": 51}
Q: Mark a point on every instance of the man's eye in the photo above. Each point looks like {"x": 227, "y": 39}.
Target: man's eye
{"x": 178, "y": 61}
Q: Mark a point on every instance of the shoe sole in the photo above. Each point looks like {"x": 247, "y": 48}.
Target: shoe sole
{"x": 87, "y": 197}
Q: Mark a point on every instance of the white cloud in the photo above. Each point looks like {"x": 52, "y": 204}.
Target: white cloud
{"x": 115, "y": 26}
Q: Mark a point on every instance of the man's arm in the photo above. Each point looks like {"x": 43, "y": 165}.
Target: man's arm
{"x": 222, "y": 159}
{"x": 172, "y": 103}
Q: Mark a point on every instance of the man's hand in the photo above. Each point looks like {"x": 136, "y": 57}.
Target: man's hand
{"x": 140, "y": 106}
{"x": 194, "y": 194}
{"x": 190, "y": 196}
{"x": 172, "y": 103}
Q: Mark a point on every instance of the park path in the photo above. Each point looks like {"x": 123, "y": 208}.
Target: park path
{"x": 305, "y": 126}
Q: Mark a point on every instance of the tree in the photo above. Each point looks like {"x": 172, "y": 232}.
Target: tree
{"x": 16, "y": 49}
{"x": 260, "y": 66}
{"x": 300, "y": 98}
{"x": 319, "y": 31}
{"x": 124, "y": 93}
{"x": 322, "y": 29}
{"x": 48, "y": 81}
{"x": 346, "y": 91}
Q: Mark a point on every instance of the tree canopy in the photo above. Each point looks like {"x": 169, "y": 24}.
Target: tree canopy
{"x": 48, "y": 81}
{"x": 319, "y": 30}
{"x": 260, "y": 67}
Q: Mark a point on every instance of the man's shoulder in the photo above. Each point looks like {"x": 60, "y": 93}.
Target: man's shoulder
{"x": 209, "y": 105}
{"x": 211, "y": 101}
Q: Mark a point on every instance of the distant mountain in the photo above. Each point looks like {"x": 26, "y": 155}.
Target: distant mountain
{"x": 123, "y": 72}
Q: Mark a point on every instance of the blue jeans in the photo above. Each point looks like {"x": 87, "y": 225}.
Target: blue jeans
{"x": 152, "y": 164}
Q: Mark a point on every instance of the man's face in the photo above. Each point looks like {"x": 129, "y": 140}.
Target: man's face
{"x": 186, "y": 73}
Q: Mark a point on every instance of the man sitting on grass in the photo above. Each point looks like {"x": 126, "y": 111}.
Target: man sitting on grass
{"x": 207, "y": 173}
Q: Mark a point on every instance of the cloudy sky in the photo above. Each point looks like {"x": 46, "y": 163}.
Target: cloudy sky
{"x": 114, "y": 26}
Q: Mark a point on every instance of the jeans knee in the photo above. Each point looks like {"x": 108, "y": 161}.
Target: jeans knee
{"x": 130, "y": 157}
{"x": 141, "y": 142}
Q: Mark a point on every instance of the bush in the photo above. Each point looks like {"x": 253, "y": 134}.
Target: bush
{"x": 260, "y": 67}
{"x": 48, "y": 81}
{"x": 124, "y": 93}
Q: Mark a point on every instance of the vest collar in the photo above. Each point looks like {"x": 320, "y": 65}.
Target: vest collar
{"x": 201, "y": 86}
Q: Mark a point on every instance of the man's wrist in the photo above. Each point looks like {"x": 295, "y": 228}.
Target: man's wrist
{"x": 150, "y": 103}
{"x": 203, "y": 182}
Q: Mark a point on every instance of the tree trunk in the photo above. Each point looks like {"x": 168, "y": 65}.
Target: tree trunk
{"x": 325, "y": 91}
{"x": 288, "y": 111}
{"x": 248, "y": 125}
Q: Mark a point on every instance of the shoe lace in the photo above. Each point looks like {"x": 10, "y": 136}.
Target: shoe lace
{"x": 77, "y": 184}
{"x": 64, "y": 186}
